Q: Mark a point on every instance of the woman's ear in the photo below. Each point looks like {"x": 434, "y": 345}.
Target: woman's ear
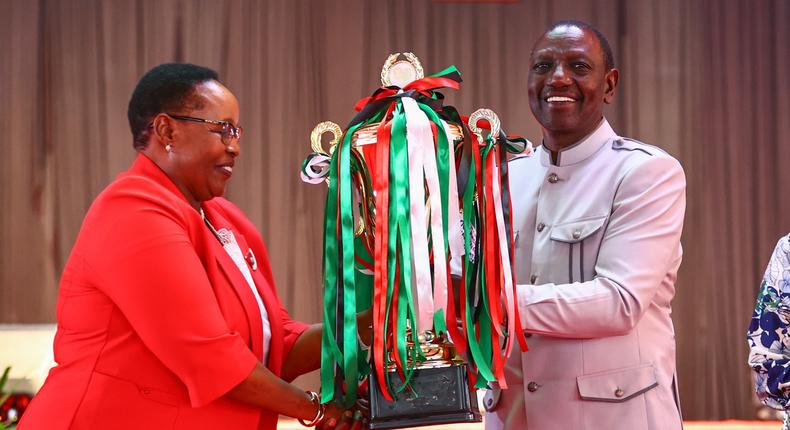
{"x": 163, "y": 129}
{"x": 611, "y": 79}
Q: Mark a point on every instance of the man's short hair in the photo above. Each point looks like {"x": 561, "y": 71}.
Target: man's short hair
{"x": 165, "y": 88}
{"x": 608, "y": 57}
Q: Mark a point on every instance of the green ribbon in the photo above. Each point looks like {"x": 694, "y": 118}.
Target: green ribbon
{"x": 342, "y": 257}
{"x": 446, "y": 71}
{"x": 330, "y": 352}
{"x": 400, "y": 241}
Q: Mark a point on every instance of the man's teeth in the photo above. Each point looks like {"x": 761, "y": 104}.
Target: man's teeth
{"x": 559, "y": 99}
{"x": 228, "y": 169}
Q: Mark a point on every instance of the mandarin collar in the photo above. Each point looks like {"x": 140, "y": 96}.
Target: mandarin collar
{"x": 582, "y": 149}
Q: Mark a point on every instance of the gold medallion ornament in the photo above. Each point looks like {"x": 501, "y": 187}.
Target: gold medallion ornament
{"x": 488, "y": 115}
{"x": 318, "y": 133}
{"x": 400, "y": 72}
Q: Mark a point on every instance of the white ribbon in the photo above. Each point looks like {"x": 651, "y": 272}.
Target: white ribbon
{"x": 505, "y": 255}
{"x": 420, "y": 141}
{"x": 309, "y": 174}
{"x": 437, "y": 230}
{"x": 454, "y": 233}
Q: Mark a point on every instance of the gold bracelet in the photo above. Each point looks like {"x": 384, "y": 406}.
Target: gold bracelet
{"x": 319, "y": 415}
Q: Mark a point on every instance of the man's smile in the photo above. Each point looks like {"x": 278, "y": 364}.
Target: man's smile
{"x": 560, "y": 99}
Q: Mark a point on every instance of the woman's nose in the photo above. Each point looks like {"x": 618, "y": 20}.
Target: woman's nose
{"x": 233, "y": 147}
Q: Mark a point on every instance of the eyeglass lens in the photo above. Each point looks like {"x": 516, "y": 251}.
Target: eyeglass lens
{"x": 230, "y": 132}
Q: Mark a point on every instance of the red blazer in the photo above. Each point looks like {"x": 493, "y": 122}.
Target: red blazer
{"x": 155, "y": 321}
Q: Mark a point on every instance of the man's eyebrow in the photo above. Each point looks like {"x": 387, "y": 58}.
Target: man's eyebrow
{"x": 581, "y": 53}
{"x": 539, "y": 55}
{"x": 574, "y": 54}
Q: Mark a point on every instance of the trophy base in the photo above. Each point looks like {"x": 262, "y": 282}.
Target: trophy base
{"x": 440, "y": 395}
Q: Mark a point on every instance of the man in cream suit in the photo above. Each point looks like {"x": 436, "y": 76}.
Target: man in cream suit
{"x": 597, "y": 224}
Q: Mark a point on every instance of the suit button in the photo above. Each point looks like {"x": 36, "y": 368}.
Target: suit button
{"x": 527, "y": 334}
{"x": 619, "y": 392}
{"x": 145, "y": 391}
{"x": 541, "y": 226}
{"x": 577, "y": 234}
{"x": 533, "y": 279}
{"x": 553, "y": 178}
{"x": 532, "y": 387}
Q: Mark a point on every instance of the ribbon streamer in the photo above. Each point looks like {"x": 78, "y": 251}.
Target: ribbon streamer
{"x": 420, "y": 142}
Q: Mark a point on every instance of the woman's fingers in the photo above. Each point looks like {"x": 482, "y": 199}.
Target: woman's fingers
{"x": 346, "y": 421}
{"x": 328, "y": 424}
{"x": 331, "y": 417}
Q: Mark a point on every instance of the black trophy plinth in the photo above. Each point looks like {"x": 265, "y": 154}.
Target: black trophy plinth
{"x": 440, "y": 395}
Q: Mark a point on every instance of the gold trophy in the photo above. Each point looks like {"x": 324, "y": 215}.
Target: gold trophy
{"x": 401, "y": 167}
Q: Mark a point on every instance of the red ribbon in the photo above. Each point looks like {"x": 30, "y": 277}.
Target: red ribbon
{"x": 380, "y": 278}
{"x": 423, "y": 86}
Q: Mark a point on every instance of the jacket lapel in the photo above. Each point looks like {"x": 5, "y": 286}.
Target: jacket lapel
{"x": 237, "y": 280}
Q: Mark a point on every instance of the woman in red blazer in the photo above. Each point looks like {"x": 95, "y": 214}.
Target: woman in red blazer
{"x": 167, "y": 313}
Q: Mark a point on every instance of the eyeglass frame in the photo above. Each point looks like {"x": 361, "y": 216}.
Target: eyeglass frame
{"x": 228, "y": 129}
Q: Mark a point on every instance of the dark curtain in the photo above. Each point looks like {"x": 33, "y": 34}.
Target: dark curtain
{"x": 703, "y": 79}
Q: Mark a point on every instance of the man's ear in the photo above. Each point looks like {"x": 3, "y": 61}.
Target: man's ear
{"x": 611, "y": 78}
{"x": 163, "y": 128}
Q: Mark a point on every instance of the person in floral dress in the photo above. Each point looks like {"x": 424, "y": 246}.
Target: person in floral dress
{"x": 769, "y": 331}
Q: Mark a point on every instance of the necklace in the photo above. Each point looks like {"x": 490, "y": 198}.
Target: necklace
{"x": 222, "y": 240}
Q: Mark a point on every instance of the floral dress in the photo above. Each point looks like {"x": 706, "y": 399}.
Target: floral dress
{"x": 769, "y": 331}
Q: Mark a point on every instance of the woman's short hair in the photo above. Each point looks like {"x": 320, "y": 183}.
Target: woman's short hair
{"x": 165, "y": 88}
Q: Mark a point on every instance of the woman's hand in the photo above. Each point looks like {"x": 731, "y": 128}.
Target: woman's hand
{"x": 336, "y": 418}
{"x": 354, "y": 418}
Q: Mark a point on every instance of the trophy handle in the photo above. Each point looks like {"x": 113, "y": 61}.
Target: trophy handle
{"x": 400, "y": 72}
{"x": 318, "y": 132}
{"x": 490, "y": 116}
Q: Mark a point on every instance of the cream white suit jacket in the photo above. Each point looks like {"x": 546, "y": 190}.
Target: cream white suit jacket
{"x": 597, "y": 241}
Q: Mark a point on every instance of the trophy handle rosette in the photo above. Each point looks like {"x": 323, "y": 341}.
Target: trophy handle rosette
{"x": 315, "y": 168}
{"x": 404, "y": 180}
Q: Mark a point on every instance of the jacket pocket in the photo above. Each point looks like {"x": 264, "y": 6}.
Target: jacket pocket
{"x": 112, "y": 402}
{"x": 617, "y": 385}
{"x": 579, "y": 240}
{"x": 578, "y": 230}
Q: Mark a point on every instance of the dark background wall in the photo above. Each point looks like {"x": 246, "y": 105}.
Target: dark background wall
{"x": 704, "y": 79}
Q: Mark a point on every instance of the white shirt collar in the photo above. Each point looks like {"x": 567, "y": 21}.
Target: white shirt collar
{"x": 582, "y": 149}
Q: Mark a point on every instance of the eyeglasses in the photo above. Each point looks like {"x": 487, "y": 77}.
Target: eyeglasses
{"x": 228, "y": 132}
